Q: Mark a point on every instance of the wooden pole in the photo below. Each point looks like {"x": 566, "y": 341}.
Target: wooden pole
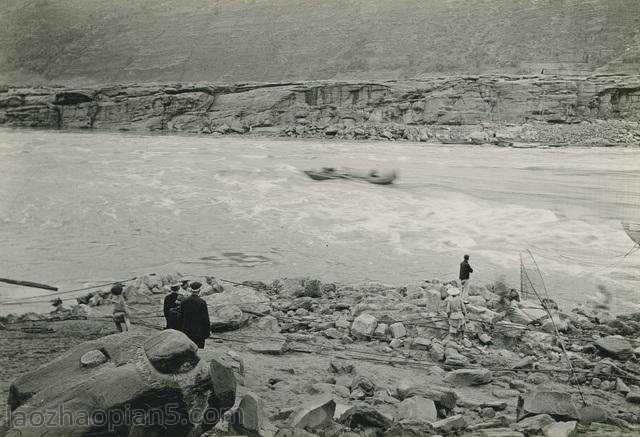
{"x": 28, "y": 284}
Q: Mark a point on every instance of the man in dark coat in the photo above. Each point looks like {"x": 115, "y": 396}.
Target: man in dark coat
{"x": 172, "y": 307}
{"x": 465, "y": 271}
{"x": 194, "y": 316}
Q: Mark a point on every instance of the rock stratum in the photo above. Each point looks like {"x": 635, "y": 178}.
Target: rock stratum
{"x": 594, "y": 110}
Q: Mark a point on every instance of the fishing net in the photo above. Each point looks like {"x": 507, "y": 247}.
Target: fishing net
{"x": 531, "y": 283}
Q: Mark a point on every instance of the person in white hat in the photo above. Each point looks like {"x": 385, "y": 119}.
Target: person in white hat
{"x": 456, "y": 311}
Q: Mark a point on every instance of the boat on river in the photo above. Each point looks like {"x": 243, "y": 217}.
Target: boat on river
{"x": 378, "y": 177}
{"x": 632, "y": 230}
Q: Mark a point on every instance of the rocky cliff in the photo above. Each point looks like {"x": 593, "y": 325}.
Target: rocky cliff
{"x": 598, "y": 109}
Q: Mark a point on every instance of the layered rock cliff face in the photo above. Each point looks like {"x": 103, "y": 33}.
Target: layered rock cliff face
{"x": 526, "y": 109}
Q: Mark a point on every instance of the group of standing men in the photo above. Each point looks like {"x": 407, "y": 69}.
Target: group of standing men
{"x": 186, "y": 311}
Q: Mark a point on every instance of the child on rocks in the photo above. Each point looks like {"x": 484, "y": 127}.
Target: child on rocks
{"x": 456, "y": 312}
{"x": 121, "y": 314}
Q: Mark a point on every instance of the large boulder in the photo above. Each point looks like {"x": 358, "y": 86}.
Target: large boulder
{"x": 313, "y": 415}
{"x": 558, "y": 405}
{"x": 249, "y": 417}
{"x": 171, "y": 352}
{"x": 533, "y": 425}
{"x": 227, "y": 318}
{"x": 434, "y": 300}
{"x": 443, "y": 397}
{"x": 450, "y": 424}
{"x": 364, "y": 416}
{"x": 615, "y": 346}
{"x": 364, "y": 326}
{"x": 128, "y": 379}
{"x": 417, "y": 409}
{"x": 483, "y": 314}
{"x": 223, "y": 385}
{"x": 466, "y": 377}
{"x": 245, "y": 298}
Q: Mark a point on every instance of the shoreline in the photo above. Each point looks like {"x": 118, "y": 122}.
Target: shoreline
{"x": 325, "y": 139}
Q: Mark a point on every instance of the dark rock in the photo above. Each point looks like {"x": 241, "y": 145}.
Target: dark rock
{"x": 312, "y": 288}
{"x": 364, "y": 416}
{"x": 443, "y": 397}
{"x": 171, "y": 350}
{"x": 495, "y": 432}
{"x": 466, "y": 377}
{"x": 450, "y": 424}
{"x": 633, "y": 397}
{"x": 366, "y": 385}
{"x": 128, "y": 379}
{"x": 616, "y": 347}
{"x": 592, "y": 413}
{"x": 269, "y": 347}
{"x": 223, "y": 386}
{"x": 340, "y": 366}
{"x": 558, "y": 405}
{"x": 454, "y": 359}
{"x": 533, "y": 425}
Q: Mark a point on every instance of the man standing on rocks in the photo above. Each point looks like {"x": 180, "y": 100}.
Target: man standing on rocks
{"x": 171, "y": 307}
{"x": 465, "y": 271}
{"x": 194, "y": 316}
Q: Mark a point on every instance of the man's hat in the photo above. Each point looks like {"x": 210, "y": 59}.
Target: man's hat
{"x": 453, "y": 291}
{"x": 466, "y": 256}
{"x": 195, "y": 285}
{"x": 174, "y": 287}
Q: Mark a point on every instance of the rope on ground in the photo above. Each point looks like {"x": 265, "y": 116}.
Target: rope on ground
{"x": 244, "y": 339}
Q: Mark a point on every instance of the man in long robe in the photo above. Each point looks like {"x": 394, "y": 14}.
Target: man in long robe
{"x": 172, "y": 307}
{"x": 194, "y": 316}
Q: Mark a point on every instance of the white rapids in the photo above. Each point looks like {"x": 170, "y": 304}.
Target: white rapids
{"x": 79, "y": 208}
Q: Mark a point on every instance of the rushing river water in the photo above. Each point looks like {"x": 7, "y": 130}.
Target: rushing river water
{"x": 81, "y": 208}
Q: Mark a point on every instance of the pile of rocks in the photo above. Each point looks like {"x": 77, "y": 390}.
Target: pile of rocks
{"x": 313, "y": 358}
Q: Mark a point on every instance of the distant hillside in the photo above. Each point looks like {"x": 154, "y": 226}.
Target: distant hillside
{"x": 97, "y": 41}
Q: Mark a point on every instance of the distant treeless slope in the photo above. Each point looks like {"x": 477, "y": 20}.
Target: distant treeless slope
{"x": 93, "y": 41}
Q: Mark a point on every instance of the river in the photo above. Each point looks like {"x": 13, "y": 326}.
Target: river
{"x": 79, "y": 208}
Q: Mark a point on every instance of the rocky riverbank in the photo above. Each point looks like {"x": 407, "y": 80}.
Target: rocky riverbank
{"x": 300, "y": 357}
{"x": 503, "y": 110}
